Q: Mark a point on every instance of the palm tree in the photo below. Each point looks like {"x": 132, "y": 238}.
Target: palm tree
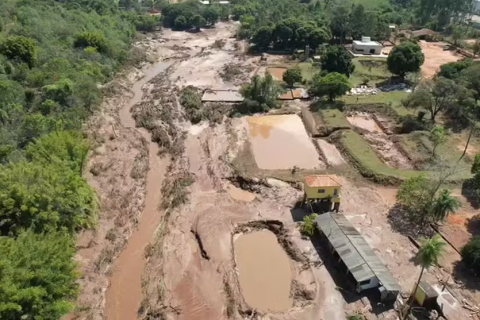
{"x": 430, "y": 252}
{"x": 443, "y": 205}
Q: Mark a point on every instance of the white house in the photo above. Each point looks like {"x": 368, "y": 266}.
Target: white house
{"x": 367, "y": 46}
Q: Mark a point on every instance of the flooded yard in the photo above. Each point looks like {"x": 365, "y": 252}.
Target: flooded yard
{"x": 264, "y": 271}
{"x": 281, "y": 142}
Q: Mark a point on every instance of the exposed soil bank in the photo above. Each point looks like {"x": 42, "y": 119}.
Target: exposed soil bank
{"x": 264, "y": 271}
{"x": 125, "y": 294}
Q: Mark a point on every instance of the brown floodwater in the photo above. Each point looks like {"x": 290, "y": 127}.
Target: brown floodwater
{"x": 124, "y": 294}
{"x": 264, "y": 271}
{"x": 281, "y": 142}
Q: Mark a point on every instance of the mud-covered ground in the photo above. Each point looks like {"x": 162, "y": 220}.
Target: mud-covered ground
{"x": 189, "y": 268}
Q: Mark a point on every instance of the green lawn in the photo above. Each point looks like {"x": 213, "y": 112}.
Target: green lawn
{"x": 372, "y": 69}
{"x": 373, "y": 167}
{"x": 308, "y": 70}
{"x": 391, "y": 99}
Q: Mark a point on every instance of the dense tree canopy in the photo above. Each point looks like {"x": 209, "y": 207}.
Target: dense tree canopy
{"x": 405, "y": 57}
{"x": 19, "y": 48}
{"x": 292, "y": 75}
{"x": 260, "y": 94}
{"x": 38, "y": 276}
{"x": 337, "y": 59}
{"x": 332, "y": 85}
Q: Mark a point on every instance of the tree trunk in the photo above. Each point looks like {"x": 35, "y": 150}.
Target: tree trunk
{"x": 472, "y": 128}
{"x": 433, "y": 151}
{"x": 412, "y": 296}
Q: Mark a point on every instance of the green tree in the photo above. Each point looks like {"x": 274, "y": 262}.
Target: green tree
{"x": 415, "y": 196}
{"x": 434, "y": 95}
{"x": 44, "y": 197}
{"x": 405, "y": 57}
{"x": 458, "y": 33}
{"x": 476, "y": 48}
{"x": 292, "y": 75}
{"x": 308, "y": 225}
{"x": 262, "y": 38}
{"x": 38, "y": 276}
{"x": 471, "y": 77}
{"x": 337, "y": 59}
{"x": 476, "y": 164}
{"x": 20, "y": 48}
{"x": 431, "y": 250}
{"x": 261, "y": 94}
{"x": 443, "y": 205}
{"x": 210, "y": 14}
{"x": 61, "y": 91}
{"x": 181, "y": 23}
{"x": 91, "y": 39}
{"x": 340, "y": 23}
{"x": 197, "y": 21}
{"x": 452, "y": 70}
{"x": 471, "y": 254}
{"x": 438, "y": 136}
{"x": 332, "y": 85}
{"x": 62, "y": 148}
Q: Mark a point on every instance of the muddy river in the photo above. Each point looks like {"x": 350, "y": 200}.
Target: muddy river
{"x": 281, "y": 142}
{"x": 264, "y": 271}
{"x": 125, "y": 292}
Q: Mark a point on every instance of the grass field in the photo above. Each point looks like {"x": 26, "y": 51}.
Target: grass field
{"x": 391, "y": 99}
{"x": 372, "y": 69}
{"x": 308, "y": 70}
{"x": 371, "y": 166}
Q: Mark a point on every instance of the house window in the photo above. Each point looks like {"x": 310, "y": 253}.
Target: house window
{"x": 321, "y": 190}
{"x": 364, "y": 282}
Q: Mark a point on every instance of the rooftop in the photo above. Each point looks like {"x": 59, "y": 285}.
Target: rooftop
{"x": 423, "y": 32}
{"x": 358, "y": 256}
{"x": 322, "y": 181}
{"x": 367, "y": 43}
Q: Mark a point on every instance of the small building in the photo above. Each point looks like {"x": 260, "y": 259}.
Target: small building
{"x": 367, "y": 46}
{"x": 356, "y": 257}
{"x": 322, "y": 188}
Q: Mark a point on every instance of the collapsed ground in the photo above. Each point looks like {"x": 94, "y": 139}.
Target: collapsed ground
{"x": 220, "y": 181}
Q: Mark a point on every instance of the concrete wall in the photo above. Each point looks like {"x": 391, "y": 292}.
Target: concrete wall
{"x": 314, "y": 193}
{"x": 366, "y": 49}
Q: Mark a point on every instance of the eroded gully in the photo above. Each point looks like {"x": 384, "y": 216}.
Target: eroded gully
{"x": 124, "y": 294}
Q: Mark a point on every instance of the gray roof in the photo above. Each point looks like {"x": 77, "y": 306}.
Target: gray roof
{"x": 222, "y": 96}
{"x": 358, "y": 256}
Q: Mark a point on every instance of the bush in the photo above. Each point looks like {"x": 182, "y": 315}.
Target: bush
{"x": 91, "y": 39}
{"x": 38, "y": 276}
{"x": 192, "y": 102}
{"x": 20, "y": 48}
{"x": 44, "y": 197}
{"x": 471, "y": 254}
{"x": 309, "y": 225}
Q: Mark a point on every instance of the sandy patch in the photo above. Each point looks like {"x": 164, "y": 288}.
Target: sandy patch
{"x": 435, "y": 56}
{"x": 281, "y": 142}
{"x": 331, "y": 153}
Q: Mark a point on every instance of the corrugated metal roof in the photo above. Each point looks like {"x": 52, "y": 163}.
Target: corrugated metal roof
{"x": 354, "y": 251}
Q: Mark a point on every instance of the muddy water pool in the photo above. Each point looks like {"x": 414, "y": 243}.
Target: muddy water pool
{"x": 364, "y": 121}
{"x": 264, "y": 271}
{"x": 281, "y": 142}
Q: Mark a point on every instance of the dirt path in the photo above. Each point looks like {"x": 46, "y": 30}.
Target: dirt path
{"x": 124, "y": 294}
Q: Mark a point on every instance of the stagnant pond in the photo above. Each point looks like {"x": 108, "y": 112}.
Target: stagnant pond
{"x": 265, "y": 272}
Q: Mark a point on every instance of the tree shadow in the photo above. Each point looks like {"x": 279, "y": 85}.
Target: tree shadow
{"x": 465, "y": 276}
{"x": 324, "y": 104}
{"x": 400, "y": 222}
{"x": 468, "y": 191}
{"x": 473, "y": 225}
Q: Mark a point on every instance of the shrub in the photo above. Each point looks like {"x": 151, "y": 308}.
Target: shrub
{"x": 192, "y": 102}
{"x": 91, "y": 39}
{"x": 20, "y": 48}
{"x": 471, "y": 254}
{"x": 308, "y": 225}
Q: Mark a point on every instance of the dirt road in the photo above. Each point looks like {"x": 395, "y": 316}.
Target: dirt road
{"x": 125, "y": 294}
